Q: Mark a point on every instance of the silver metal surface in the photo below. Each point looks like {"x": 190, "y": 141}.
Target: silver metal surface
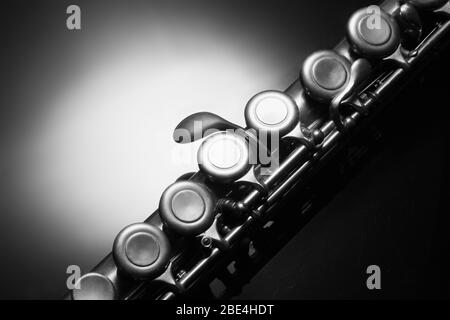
{"x": 324, "y": 74}
{"x": 141, "y": 251}
{"x": 187, "y": 208}
{"x": 272, "y": 111}
{"x": 94, "y": 286}
{"x": 373, "y": 42}
{"x": 224, "y": 157}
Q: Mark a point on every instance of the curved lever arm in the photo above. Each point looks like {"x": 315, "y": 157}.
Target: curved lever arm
{"x": 199, "y": 125}
{"x": 359, "y": 72}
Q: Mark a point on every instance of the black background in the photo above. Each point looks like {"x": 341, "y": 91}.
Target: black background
{"x": 393, "y": 213}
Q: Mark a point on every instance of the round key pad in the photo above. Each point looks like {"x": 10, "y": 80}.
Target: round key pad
{"x": 272, "y": 111}
{"x": 324, "y": 74}
{"x": 141, "y": 251}
{"x": 224, "y": 157}
{"x": 188, "y": 208}
{"x": 94, "y": 286}
{"x": 373, "y": 35}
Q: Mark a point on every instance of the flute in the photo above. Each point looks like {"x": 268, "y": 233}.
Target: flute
{"x": 204, "y": 219}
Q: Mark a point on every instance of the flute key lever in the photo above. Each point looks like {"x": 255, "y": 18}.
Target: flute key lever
{"x": 410, "y": 23}
{"x": 360, "y": 70}
{"x": 199, "y": 125}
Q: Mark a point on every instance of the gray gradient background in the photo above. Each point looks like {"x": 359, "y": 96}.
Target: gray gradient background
{"x": 86, "y": 124}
